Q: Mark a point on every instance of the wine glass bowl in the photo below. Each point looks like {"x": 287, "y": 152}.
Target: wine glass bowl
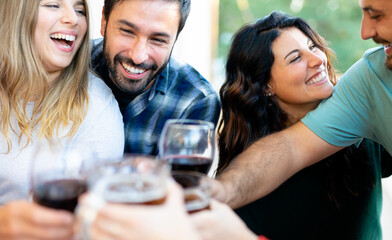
{"x": 56, "y": 177}
{"x": 188, "y": 144}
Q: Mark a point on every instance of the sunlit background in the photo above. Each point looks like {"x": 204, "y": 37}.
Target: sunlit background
{"x": 207, "y": 35}
{"x": 338, "y": 21}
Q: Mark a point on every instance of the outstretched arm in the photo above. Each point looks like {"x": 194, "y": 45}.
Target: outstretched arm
{"x": 269, "y": 162}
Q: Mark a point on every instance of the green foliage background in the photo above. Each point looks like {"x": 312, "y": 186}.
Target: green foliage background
{"x": 338, "y": 21}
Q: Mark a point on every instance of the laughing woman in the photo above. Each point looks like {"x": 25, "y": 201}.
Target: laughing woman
{"x": 47, "y": 92}
{"x": 278, "y": 70}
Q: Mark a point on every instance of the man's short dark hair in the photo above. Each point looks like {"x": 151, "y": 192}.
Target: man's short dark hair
{"x": 185, "y": 7}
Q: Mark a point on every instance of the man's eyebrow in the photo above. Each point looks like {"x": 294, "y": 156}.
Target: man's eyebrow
{"x": 131, "y": 25}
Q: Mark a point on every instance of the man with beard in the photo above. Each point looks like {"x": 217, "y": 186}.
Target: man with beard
{"x": 134, "y": 59}
{"x": 360, "y": 107}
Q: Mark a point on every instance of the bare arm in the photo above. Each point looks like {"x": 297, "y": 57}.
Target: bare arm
{"x": 269, "y": 162}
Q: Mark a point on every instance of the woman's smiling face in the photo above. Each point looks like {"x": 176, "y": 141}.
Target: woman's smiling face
{"x": 60, "y": 30}
{"x": 299, "y": 74}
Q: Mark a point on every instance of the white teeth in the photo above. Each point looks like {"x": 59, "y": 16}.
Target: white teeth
{"x": 63, "y": 36}
{"x": 133, "y": 70}
{"x": 320, "y": 77}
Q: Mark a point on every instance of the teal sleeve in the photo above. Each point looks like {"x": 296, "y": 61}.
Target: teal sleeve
{"x": 345, "y": 117}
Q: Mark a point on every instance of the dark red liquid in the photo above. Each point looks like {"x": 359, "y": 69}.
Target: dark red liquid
{"x": 190, "y": 163}
{"x": 60, "y": 194}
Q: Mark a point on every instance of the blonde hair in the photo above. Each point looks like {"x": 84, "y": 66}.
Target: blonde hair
{"x": 23, "y": 77}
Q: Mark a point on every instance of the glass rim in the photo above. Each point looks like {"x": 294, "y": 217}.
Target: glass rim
{"x": 104, "y": 188}
{"x": 190, "y": 123}
{"x": 132, "y": 158}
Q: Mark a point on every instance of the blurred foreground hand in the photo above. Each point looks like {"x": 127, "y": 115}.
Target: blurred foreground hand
{"x": 169, "y": 220}
{"x": 221, "y": 223}
{"x": 22, "y": 220}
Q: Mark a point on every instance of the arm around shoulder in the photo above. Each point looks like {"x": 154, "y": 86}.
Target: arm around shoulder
{"x": 269, "y": 162}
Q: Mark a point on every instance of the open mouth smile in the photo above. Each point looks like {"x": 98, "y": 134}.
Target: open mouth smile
{"x": 132, "y": 70}
{"x": 64, "y": 41}
{"x": 317, "y": 79}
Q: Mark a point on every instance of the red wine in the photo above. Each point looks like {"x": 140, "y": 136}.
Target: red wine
{"x": 190, "y": 163}
{"x": 60, "y": 194}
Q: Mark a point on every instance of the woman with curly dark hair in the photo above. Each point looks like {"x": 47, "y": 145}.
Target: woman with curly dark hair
{"x": 279, "y": 69}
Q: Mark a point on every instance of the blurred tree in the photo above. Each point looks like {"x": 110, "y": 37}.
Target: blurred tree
{"x": 338, "y": 21}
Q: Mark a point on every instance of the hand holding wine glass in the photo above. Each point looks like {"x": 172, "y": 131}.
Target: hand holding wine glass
{"x": 56, "y": 175}
{"x": 27, "y": 220}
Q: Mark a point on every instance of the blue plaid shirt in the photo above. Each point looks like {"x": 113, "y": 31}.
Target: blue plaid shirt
{"x": 179, "y": 92}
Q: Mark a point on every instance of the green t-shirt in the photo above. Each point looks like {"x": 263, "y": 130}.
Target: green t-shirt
{"x": 360, "y": 107}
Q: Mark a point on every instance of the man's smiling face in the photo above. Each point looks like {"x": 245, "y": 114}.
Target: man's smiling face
{"x": 377, "y": 24}
{"x": 138, "y": 40}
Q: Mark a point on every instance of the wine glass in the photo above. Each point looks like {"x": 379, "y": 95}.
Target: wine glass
{"x": 57, "y": 180}
{"x": 188, "y": 144}
{"x": 136, "y": 179}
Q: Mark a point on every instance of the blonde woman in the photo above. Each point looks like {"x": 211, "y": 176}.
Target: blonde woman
{"x": 47, "y": 92}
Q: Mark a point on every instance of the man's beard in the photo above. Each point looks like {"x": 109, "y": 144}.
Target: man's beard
{"x": 388, "y": 62}
{"x": 130, "y": 86}
{"x": 388, "y": 59}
